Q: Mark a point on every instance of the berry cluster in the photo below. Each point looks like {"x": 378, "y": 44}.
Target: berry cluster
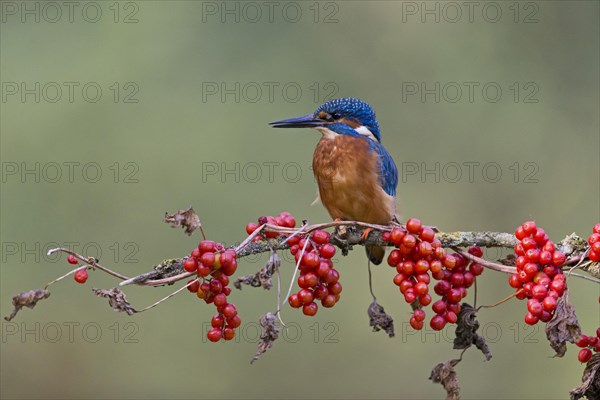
{"x": 418, "y": 253}
{"x": 214, "y": 265}
{"x": 539, "y": 277}
{"x": 284, "y": 219}
{"x": 80, "y": 276}
{"x": 587, "y": 344}
{"x": 318, "y": 279}
{"x": 594, "y": 242}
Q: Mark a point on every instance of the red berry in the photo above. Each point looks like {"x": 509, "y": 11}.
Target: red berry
{"x": 529, "y": 227}
{"x": 476, "y": 269}
{"x": 306, "y": 296}
{"x": 582, "y": 342}
{"x": 228, "y": 333}
{"x": 427, "y": 235}
{"x": 558, "y": 258}
{"x": 454, "y": 296}
{"x": 534, "y": 307}
{"x": 311, "y": 279}
{"x": 311, "y": 260}
{"x": 234, "y": 321}
{"x": 206, "y": 246}
{"x": 413, "y": 225}
{"x": 409, "y": 241}
{"x": 220, "y": 300}
{"x": 425, "y": 299}
{"x": 215, "y": 334}
{"x": 72, "y": 259}
{"x": 394, "y": 258}
{"x": 476, "y": 251}
{"x": 419, "y": 314}
{"x": 229, "y": 311}
{"x": 251, "y": 227}
{"x": 190, "y": 264}
{"x": 328, "y": 301}
{"x": 514, "y": 281}
{"x": 531, "y": 319}
{"x": 217, "y": 321}
{"x": 450, "y": 317}
{"x": 594, "y": 256}
{"x": 437, "y": 323}
{"x": 310, "y": 309}
{"x": 410, "y": 296}
{"x": 584, "y": 355}
{"x": 81, "y": 276}
{"x": 335, "y": 288}
{"x": 320, "y": 237}
{"x": 332, "y": 276}
{"x": 421, "y": 288}
{"x": 416, "y": 325}
{"x": 327, "y": 250}
{"x": 295, "y": 301}
{"x": 597, "y": 229}
{"x": 320, "y": 292}
{"x": 450, "y": 261}
{"x": 439, "y": 307}
{"x": 520, "y": 233}
{"x": 193, "y": 288}
{"x": 549, "y": 304}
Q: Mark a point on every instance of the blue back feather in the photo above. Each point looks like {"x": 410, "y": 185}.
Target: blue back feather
{"x": 388, "y": 173}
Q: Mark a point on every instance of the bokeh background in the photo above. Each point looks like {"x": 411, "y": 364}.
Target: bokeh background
{"x": 180, "y": 122}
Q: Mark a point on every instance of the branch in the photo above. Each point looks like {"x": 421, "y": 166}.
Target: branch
{"x": 171, "y": 270}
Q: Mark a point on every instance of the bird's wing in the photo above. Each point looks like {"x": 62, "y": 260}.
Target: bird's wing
{"x": 388, "y": 173}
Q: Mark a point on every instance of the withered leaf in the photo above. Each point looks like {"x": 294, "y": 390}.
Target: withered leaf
{"x": 466, "y": 331}
{"x": 379, "y": 320}
{"x": 262, "y": 278}
{"x": 563, "y": 327}
{"x": 27, "y": 299}
{"x": 116, "y": 299}
{"x": 187, "y": 219}
{"x": 270, "y": 333}
{"x": 590, "y": 386}
{"x": 445, "y": 374}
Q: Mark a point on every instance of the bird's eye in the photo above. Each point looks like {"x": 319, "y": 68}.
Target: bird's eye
{"x": 335, "y": 116}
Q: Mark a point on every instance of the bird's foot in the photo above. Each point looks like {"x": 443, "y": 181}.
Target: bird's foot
{"x": 365, "y": 234}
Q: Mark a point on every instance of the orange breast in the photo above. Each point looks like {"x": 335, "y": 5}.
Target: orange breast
{"x": 347, "y": 175}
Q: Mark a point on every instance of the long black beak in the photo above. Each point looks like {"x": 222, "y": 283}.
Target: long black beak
{"x": 305, "y": 121}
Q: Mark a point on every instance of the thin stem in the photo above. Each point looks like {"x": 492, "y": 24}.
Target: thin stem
{"x": 65, "y": 275}
{"x": 489, "y": 264}
{"x": 501, "y": 301}
{"x": 295, "y": 272}
{"x": 169, "y": 296}
{"x": 370, "y": 280}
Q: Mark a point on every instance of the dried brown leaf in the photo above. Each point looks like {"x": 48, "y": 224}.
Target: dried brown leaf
{"x": 27, "y": 299}
{"x": 187, "y": 219}
{"x": 590, "y": 386}
{"x": 445, "y": 374}
{"x": 262, "y": 278}
{"x": 563, "y": 327}
{"x": 466, "y": 331}
{"x": 379, "y": 320}
{"x": 270, "y": 333}
{"x": 116, "y": 299}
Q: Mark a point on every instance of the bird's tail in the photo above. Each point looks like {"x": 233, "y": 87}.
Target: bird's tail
{"x": 375, "y": 253}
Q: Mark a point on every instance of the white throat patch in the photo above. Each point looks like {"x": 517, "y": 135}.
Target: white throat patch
{"x": 364, "y": 131}
{"x": 327, "y": 133}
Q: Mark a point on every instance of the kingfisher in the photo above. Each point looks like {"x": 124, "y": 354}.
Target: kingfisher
{"x": 357, "y": 177}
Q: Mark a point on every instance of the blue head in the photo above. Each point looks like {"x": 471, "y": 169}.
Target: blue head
{"x": 345, "y": 116}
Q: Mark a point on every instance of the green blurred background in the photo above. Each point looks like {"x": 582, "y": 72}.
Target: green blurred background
{"x": 164, "y": 136}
